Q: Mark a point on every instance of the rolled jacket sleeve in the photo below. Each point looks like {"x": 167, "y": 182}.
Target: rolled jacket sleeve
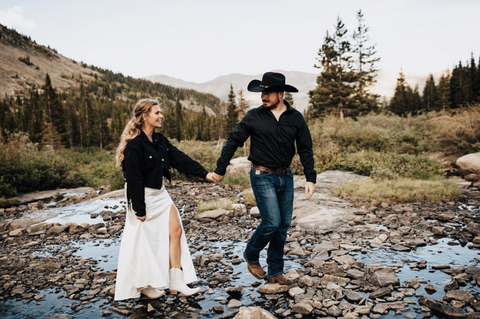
{"x": 134, "y": 175}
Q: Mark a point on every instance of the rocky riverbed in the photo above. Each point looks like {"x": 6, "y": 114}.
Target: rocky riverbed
{"x": 58, "y": 258}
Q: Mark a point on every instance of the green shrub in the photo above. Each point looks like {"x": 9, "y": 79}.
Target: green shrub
{"x": 390, "y": 165}
{"x": 403, "y": 190}
{"x": 23, "y": 168}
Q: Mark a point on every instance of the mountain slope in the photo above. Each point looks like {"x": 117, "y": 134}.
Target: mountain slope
{"x": 220, "y": 86}
{"x": 24, "y": 65}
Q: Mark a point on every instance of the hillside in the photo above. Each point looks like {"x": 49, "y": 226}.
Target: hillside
{"x": 24, "y": 65}
{"x": 220, "y": 86}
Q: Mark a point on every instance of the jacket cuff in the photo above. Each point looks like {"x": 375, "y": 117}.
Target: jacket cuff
{"x": 220, "y": 171}
{"x": 140, "y": 213}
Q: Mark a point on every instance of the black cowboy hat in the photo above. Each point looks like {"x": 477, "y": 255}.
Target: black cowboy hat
{"x": 271, "y": 81}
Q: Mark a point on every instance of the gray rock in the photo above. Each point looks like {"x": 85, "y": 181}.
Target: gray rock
{"x": 234, "y": 303}
{"x": 384, "y": 277}
{"x": 460, "y": 295}
{"x": 302, "y": 307}
{"x": 443, "y": 309}
{"x": 253, "y": 312}
{"x": 273, "y": 289}
{"x": 352, "y": 295}
{"x": 382, "y": 292}
{"x": 214, "y": 214}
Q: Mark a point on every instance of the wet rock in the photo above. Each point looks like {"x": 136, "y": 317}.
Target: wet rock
{"x": 214, "y": 214}
{"x": 303, "y": 307}
{"x": 459, "y": 295}
{"x": 441, "y": 308}
{"x": 55, "y": 230}
{"x": 430, "y": 289}
{"x": 340, "y": 281}
{"x": 253, "y": 312}
{"x": 334, "y": 311}
{"x": 353, "y": 296}
{"x": 218, "y": 309}
{"x": 273, "y": 289}
{"x": 234, "y": 290}
{"x": 295, "y": 291}
{"x": 384, "y": 277}
{"x": 452, "y": 285}
{"x": 380, "y": 293}
{"x": 234, "y": 303}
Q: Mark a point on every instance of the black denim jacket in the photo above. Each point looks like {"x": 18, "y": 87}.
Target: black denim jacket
{"x": 146, "y": 162}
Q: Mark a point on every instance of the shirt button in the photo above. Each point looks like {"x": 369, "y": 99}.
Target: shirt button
{"x": 150, "y": 156}
{"x": 163, "y": 160}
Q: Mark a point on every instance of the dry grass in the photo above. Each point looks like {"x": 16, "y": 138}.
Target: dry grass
{"x": 402, "y": 190}
{"x": 249, "y": 198}
{"x": 221, "y": 203}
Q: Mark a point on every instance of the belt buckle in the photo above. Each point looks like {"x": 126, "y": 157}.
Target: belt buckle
{"x": 281, "y": 171}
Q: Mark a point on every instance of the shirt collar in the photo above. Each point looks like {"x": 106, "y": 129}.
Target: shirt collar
{"x": 284, "y": 102}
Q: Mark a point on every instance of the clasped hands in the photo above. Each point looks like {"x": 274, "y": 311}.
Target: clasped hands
{"x": 214, "y": 177}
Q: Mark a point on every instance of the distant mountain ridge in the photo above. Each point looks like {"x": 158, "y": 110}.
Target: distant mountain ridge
{"x": 220, "y": 86}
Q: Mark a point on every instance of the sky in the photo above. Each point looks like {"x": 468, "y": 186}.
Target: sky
{"x": 199, "y": 40}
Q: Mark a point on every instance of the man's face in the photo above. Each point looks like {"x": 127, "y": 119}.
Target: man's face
{"x": 271, "y": 99}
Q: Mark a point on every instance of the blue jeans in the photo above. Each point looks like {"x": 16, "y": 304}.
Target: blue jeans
{"x": 274, "y": 196}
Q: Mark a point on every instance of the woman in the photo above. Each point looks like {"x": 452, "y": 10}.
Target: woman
{"x": 153, "y": 229}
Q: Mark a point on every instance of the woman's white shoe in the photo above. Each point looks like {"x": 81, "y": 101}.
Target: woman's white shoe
{"x": 177, "y": 284}
{"x": 152, "y": 293}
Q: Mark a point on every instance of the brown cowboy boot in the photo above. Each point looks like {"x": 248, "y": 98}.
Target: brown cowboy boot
{"x": 280, "y": 279}
{"x": 256, "y": 270}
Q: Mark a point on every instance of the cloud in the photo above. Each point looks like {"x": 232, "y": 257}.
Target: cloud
{"x": 12, "y": 18}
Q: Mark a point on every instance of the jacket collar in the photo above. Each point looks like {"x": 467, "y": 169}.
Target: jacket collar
{"x": 144, "y": 138}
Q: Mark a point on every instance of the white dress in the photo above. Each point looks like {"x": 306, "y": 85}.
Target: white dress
{"x": 144, "y": 250}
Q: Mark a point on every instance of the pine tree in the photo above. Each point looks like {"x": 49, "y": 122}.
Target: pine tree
{"x": 232, "y": 115}
{"x": 243, "y": 106}
{"x": 334, "y": 91}
{"x": 364, "y": 68}
{"x": 401, "y": 102}
{"x": 289, "y": 98}
{"x": 443, "y": 92}
{"x": 54, "y": 110}
{"x": 50, "y": 138}
{"x": 430, "y": 97}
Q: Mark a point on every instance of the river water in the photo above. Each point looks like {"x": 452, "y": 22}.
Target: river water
{"x": 105, "y": 253}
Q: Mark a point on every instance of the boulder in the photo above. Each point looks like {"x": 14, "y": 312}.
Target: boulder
{"x": 239, "y": 166}
{"x": 253, "y": 312}
{"x": 469, "y": 164}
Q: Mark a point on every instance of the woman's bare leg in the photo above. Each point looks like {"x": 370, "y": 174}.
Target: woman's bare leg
{"x": 175, "y": 231}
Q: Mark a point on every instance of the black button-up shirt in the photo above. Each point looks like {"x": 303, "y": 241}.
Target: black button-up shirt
{"x": 272, "y": 141}
{"x": 146, "y": 162}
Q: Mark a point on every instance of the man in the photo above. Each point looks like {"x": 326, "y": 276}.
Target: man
{"x": 274, "y": 127}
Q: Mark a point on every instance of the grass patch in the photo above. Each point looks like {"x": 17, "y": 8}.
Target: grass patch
{"x": 403, "y": 190}
{"x": 239, "y": 180}
{"x": 221, "y": 203}
{"x": 249, "y": 198}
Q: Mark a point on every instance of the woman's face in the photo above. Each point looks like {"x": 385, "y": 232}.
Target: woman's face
{"x": 154, "y": 118}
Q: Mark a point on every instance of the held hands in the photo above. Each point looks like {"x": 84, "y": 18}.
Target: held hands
{"x": 214, "y": 177}
{"x": 309, "y": 189}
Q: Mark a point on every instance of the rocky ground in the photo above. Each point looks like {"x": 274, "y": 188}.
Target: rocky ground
{"x": 352, "y": 261}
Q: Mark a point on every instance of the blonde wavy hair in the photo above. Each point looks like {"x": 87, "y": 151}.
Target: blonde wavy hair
{"x": 134, "y": 126}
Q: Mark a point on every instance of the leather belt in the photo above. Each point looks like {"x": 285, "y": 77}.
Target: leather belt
{"x": 276, "y": 171}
